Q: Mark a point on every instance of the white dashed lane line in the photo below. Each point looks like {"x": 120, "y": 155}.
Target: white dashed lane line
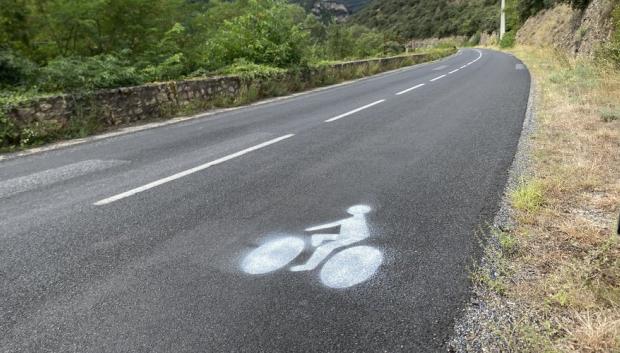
{"x": 438, "y": 78}
{"x": 354, "y": 111}
{"x": 409, "y": 89}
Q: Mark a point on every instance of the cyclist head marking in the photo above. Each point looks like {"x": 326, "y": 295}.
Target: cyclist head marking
{"x": 358, "y": 209}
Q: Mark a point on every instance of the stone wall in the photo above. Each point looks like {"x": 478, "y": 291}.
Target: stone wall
{"x": 434, "y": 42}
{"x": 160, "y": 100}
{"x": 126, "y": 104}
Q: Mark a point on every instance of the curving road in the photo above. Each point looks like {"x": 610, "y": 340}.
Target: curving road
{"x": 149, "y": 241}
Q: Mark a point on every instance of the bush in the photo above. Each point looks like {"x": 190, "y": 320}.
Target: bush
{"x": 171, "y": 68}
{"x": 268, "y": 34}
{"x": 474, "y": 40}
{"x": 103, "y": 71}
{"x": 9, "y": 133}
{"x": 393, "y": 47}
{"x": 248, "y": 69}
{"x": 15, "y": 70}
{"x": 508, "y": 41}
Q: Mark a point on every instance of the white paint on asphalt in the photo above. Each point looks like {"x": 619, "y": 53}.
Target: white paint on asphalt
{"x": 354, "y": 111}
{"x": 189, "y": 171}
{"x": 437, "y": 78}
{"x": 351, "y": 266}
{"x": 47, "y": 177}
{"x": 453, "y": 71}
{"x": 272, "y": 255}
{"x": 345, "y": 269}
{"x": 409, "y": 89}
{"x": 352, "y": 230}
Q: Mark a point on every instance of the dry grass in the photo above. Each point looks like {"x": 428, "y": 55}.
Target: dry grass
{"x": 566, "y": 273}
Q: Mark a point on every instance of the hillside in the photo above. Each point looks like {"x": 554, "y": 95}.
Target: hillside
{"x": 430, "y": 18}
{"x": 574, "y": 31}
{"x": 352, "y": 6}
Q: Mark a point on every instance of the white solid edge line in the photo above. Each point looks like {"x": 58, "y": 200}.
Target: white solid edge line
{"x": 189, "y": 171}
{"x": 354, "y": 111}
{"x": 437, "y": 78}
{"x": 409, "y": 89}
{"x": 453, "y": 71}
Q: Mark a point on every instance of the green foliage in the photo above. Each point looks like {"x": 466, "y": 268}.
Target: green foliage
{"x": 610, "y": 52}
{"x": 249, "y": 69}
{"x": 474, "y": 40}
{"x": 430, "y": 18}
{"x": 610, "y": 114}
{"x": 268, "y": 34}
{"x": 508, "y": 243}
{"x": 529, "y": 196}
{"x": 508, "y": 41}
{"x": 357, "y": 41}
{"x": 15, "y": 70}
{"x": 104, "y": 71}
{"x": 66, "y": 45}
{"x": 9, "y": 133}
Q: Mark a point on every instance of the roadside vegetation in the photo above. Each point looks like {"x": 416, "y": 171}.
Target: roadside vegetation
{"x": 63, "y": 45}
{"x": 556, "y": 274}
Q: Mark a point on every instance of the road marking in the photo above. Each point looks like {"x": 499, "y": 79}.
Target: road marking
{"x": 189, "y": 171}
{"x": 354, "y": 111}
{"x": 343, "y": 269}
{"x": 437, "y": 78}
{"x": 409, "y": 89}
{"x": 453, "y": 71}
{"x": 51, "y": 176}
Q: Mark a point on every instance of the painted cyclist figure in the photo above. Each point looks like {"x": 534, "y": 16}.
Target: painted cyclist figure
{"x": 352, "y": 230}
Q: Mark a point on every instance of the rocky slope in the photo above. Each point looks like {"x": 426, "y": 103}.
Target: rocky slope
{"x": 576, "y": 32}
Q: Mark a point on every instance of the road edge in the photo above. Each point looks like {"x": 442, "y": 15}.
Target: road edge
{"x": 472, "y": 331}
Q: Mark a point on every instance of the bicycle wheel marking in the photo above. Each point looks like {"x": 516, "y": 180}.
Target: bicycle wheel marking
{"x": 272, "y": 255}
{"x": 351, "y": 266}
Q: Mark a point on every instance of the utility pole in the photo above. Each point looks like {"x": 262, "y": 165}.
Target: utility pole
{"x": 502, "y": 21}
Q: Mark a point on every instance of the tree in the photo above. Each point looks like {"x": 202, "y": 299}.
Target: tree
{"x": 269, "y": 33}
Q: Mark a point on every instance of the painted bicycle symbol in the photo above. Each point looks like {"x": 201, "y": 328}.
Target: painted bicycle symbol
{"x": 346, "y": 268}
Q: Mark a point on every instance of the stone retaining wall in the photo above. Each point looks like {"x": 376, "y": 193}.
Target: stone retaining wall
{"x": 159, "y": 100}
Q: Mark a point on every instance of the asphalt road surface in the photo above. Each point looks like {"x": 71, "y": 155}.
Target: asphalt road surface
{"x": 178, "y": 238}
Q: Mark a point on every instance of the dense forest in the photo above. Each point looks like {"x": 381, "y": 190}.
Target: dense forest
{"x": 60, "y": 45}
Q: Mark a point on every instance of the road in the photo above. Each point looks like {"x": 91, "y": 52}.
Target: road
{"x": 147, "y": 241}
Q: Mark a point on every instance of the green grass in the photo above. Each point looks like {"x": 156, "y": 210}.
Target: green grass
{"x": 610, "y": 114}
{"x": 528, "y": 196}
